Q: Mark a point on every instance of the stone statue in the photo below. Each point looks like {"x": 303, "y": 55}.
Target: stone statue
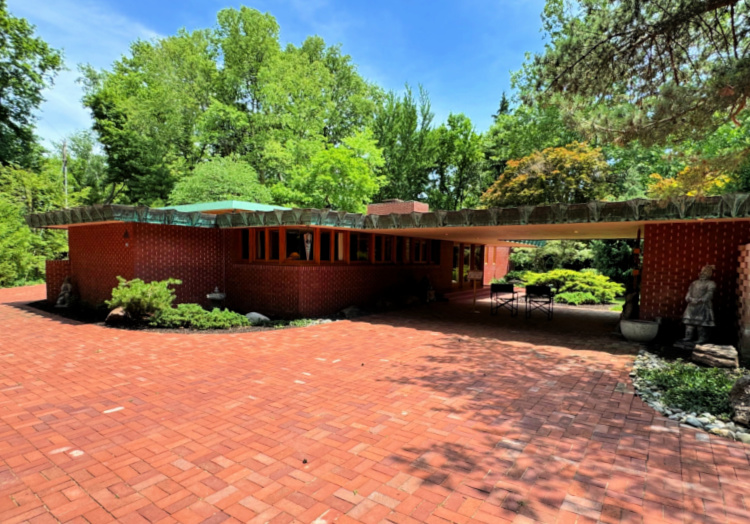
{"x": 63, "y": 299}
{"x": 700, "y": 312}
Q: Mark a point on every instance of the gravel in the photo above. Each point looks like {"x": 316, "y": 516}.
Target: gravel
{"x": 652, "y": 396}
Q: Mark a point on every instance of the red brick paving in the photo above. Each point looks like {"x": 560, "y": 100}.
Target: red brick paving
{"x": 432, "y": 415}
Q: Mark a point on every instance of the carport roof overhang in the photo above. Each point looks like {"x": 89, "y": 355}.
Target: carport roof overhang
{"x": 495, "y": 226}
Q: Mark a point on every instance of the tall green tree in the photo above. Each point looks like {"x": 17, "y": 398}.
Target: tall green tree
{"x": 342, "y": 176}
{"x": 456, "y": 179}
{"x": 27, "y": 66}
{"x": 403, "y": 129}
{"x": 227, "y": 91}
{"x": 146, "y": 112}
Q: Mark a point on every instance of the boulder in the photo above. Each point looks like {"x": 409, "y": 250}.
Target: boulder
{"x": 257, "y": 318}
{"x": 739, "y": 397}
{"x": 716, "y": 356}
{"x": 117, "y": 317}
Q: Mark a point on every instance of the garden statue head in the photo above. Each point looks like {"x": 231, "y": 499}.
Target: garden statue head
{"x": 707, "y": 272}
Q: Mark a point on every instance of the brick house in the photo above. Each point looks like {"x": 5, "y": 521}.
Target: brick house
{"x": 306, "y": 262}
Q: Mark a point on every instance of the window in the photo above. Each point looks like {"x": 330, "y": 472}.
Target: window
{"x": 338, "y": 247}
{"x": 299, "y": 244}
{"x": 400, "y": 249}
{"x": 273, "y": 244}
{"x": 325, "y": 246}
{"x": 260, "y": 244}
{"x": 407, "y": 250}
{"x": 378, "y": 248}
{"x": 420, "y": 251}
{"x": 359, "y": 247}
{"x": 388, "y": 257}
{"x": 245, "y": 244}
{"x": 435, "y": 252}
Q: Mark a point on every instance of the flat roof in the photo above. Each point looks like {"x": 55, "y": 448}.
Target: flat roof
{"x": 494, "y": 226}
{"x": 223, "y": 206}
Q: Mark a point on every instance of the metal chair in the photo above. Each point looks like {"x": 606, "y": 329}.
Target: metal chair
{"x": 503, "y": 296}
{"x": 539, "y": 298}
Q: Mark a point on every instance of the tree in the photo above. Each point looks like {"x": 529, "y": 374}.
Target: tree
{"x": 651, "y": 71}
{"x": 503, "y": 109}
{"x": 554, "y": 254}
{"x": 27, "y": 66}
{"x": 23, "y": 251}
{"x": 403, "y": 129}
{"x": 227, "y": 91}
{"x": 614, "y": 259}
{"x": 146, "y": 112}
{"x": 342, "y": 177}
{"x": 455, "y": 180}
{"x": 16, "y": 259}
{"x": 520, "y": 132}
{"x": 220, "y": 179}
{"x": 574, "y": 174}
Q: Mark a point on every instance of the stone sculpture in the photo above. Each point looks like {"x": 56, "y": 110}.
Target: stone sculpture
{"x": 66, "y": 290}
{"x": 700, "y": 312}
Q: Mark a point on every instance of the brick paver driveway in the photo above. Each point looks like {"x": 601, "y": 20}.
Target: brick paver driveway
{"x": 433, "y": 415}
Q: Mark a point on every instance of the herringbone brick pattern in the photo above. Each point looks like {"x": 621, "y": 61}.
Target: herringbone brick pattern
{"x": 431, "y": 415}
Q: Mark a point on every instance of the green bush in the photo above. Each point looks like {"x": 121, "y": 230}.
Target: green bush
{"x": 140, "y": 299}
{"x": 575, "y": 298}
{"x": 193, "y": 316}
{"x": 692, "y": 388}
{"x": 568, "y": 281}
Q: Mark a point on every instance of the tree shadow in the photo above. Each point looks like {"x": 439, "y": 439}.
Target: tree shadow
{"x": 531, "y": 415}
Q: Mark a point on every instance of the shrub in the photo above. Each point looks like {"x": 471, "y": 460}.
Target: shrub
{"x": 140, "y": 299}
{"x": 194, "y": 316}
{"x": 575, "y": 298}
{"x": 518, "y": 276}
{"x": 692, "y": 388}
{"x": 568, "y": 281}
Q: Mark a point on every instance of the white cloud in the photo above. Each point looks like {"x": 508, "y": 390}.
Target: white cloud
{"x": 87, "y": 32}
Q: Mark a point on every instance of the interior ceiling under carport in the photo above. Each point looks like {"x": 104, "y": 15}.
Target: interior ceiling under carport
{"x": 505, "y": 235}
{"x": 513, "y": 235}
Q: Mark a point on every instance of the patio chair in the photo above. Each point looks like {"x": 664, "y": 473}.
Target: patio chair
{"x": 503, "y": 296}
{"x": 539, "y": 298}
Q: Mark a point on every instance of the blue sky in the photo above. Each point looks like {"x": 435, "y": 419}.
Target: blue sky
{"x": 461, "y": 51}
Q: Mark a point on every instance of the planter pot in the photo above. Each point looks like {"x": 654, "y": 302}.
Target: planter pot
{"x": 639, "y": 330}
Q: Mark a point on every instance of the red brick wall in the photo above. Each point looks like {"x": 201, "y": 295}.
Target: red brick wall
{"x": 386, "y": 208}
{"x": 673, "y": 256}
{"x": 98, "y": 254}
{"x": 497, "y": 263}
{"x": 326, "y": 289}
{"x": 190, "y": 254}
{"x": 56, "y": 271}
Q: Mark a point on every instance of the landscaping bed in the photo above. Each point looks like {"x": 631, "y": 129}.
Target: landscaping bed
{"x": 690, "y": 394}
{"x": 87, "y": 315}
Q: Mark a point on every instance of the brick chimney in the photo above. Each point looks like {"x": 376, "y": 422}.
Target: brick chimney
{"x": 394, "y": 205}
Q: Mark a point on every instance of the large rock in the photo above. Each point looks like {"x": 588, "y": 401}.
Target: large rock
{"x": 716, "y": 356}
{"x": 117, "y": 317}
{"x": 739, "y": 396}
{"x": 257, "y": 318}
